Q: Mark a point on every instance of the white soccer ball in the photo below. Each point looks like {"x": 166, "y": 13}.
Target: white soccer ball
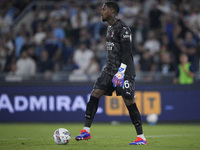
{"x": 152, "y": 118}
{"x": 61, "y": 136}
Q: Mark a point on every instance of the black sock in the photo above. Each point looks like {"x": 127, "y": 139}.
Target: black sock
{"x": 91, "y": 110}
{"x": 135, "y": 117}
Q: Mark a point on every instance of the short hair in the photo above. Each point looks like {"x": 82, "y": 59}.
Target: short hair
{"x": 113, "y": 5}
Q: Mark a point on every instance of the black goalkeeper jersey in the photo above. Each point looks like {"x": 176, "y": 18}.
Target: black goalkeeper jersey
{"x": 119, "y": 49}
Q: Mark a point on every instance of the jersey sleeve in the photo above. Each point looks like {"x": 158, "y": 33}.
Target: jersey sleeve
{"x": 126, "y": 45}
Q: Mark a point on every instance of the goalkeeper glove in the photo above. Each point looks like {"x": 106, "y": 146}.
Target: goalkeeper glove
{"x": 118, "y": 79}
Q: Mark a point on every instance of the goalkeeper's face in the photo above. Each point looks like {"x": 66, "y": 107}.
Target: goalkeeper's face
{"x": 105, "y": 13}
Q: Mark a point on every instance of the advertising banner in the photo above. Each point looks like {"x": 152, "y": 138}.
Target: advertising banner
{"x": 68, "y": 103}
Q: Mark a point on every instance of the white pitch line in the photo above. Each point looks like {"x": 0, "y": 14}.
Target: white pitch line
{"x": 157, "y": 136}
{"x": 148, "y": 136}
{"x": 24, "y": 139}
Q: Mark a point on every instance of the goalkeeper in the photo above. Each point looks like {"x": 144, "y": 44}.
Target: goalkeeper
{"x": 118, "y": 74}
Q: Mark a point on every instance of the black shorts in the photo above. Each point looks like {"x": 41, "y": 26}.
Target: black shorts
{"x": 104, "y": 82}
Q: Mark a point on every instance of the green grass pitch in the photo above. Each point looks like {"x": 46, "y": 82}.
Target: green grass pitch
{"x": 39, "y": 136}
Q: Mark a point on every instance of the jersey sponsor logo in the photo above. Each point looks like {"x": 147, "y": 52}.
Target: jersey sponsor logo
{"x": 126, "y": 35}
{"x": 109, "y": 46}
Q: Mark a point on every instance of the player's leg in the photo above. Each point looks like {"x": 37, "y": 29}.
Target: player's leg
{"x": 128, "y": 94}
{"x": 92, "y": 107}
{"x": 103, "y": 85}
{"x": 91, "y": 110}
{"x": 136, "y": 120}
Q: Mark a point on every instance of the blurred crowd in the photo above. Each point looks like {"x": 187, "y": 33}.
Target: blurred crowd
{"x": 69, "y": 37}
